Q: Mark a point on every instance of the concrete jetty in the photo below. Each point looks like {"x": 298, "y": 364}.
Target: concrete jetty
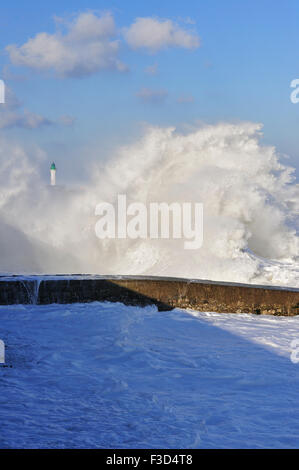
{"x": 164, "y": 292}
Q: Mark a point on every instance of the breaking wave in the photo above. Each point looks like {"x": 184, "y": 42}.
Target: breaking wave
{"x": 250, "y": 199}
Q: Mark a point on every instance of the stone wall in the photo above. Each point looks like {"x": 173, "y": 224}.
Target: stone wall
{"x": 166, "y": 293}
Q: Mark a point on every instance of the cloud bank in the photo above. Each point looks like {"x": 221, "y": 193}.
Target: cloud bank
{"x": 89, "y": 43}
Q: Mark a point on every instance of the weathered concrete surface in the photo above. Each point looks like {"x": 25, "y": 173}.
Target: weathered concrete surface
{"x": 166, "y": 293}
{"x": 13, "y": 292}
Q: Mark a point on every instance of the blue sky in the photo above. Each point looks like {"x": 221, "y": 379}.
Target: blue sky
{"x": 242, "y": 69}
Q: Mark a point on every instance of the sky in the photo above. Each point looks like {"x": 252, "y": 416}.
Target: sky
{"x": 83, "y": 77}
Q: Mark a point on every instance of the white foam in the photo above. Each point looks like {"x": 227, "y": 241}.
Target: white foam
{"x": 251, "y": 208}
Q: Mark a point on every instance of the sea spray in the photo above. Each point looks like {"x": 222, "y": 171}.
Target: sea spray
{"x": 249, "y": 197}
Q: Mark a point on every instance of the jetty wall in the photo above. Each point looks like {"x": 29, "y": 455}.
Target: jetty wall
{"x": 165, "y": 293}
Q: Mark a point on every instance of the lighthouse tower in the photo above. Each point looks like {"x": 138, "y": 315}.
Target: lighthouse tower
{"x": 53, "y": 174}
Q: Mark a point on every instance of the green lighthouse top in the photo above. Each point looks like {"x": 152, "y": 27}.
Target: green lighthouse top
{"x": 53, "y": 167}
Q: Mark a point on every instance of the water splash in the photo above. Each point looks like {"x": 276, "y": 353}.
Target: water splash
{"x": 251, "y": 207}
{"x": 32, "y": 288}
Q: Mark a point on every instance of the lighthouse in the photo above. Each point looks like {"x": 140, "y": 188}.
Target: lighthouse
{"x": 53, "y": 174}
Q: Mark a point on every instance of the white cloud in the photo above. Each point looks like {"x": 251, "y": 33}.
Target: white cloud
{"x": 155, "y": 34}
{"x": 86, "y": 46}
{"x": 90, "y": 26}
{"x": 149, "y": 95}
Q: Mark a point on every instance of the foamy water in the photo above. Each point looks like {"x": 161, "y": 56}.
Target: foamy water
{"x": 104, "y": 375}
{"x": 250, "y": 200}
